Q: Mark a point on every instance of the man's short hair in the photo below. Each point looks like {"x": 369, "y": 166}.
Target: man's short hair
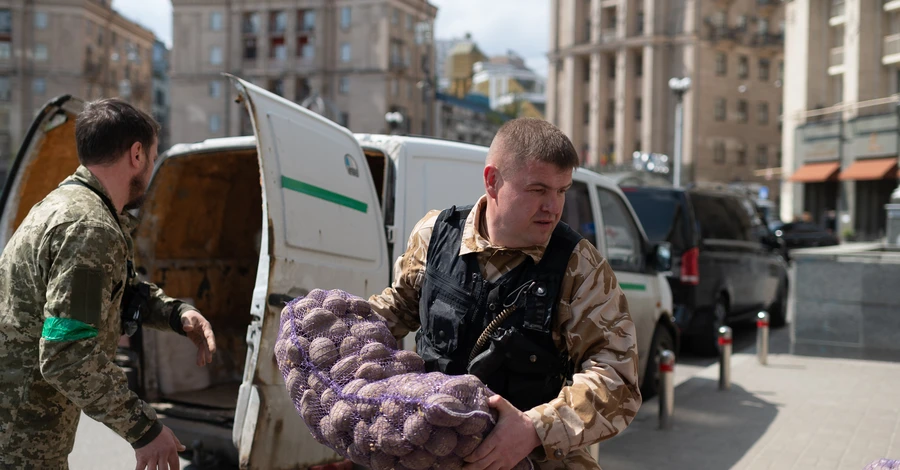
{"x": 107, "y": 128}
{"x": 524, "y": 140}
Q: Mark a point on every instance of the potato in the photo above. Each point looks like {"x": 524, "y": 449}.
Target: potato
{"x": 344, "y": 369}
{"x": 395, "y": 411}
{"x": 361, "y": 436}
{"x": 448, "y": 463}
{"x": 465, "y": 445}
{"x": 370, "y": 371}
{"x": 316, "y": 383}
{"x": 350, "y": 346}
{"x": 440, "y": 408}
{"x": 418, "y": 459}
{"x": 338, "y": 330}
{"x": 310, "y": 409}
{"x": 389, "y": 439}
{"x": 476, "y": 424}
{"x": 335, "y": 303}
{"x": 295, "y": 382}
{"x": 411, "y": 361}
{"x": 295, "y": 355}
{"x": 352, "y": 389}
{"x": 373, "y": 352}
{"x": 442, "y": 442}
{"x": 323, "y": 353}
{"x": 343, "y": 415}
{"x": 464, "y": 387}
{"x": 359, "y": 306}
{"x": 416, "y": 430}
{"x": 328, "y": 399}
{"x": 329, "y": 432}
{"x": 317, "y": 322}
{"x": 382, "y": 461}
{"x": 374, "y": 331}
{"x": 305, "y": 305}
{"x": 359, "y": 455}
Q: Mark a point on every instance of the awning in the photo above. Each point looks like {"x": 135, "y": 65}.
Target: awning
{"x": 816, "y": 172}
{"x": 870, "y": 169}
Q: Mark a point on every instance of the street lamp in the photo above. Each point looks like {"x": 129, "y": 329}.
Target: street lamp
{"x": 680, "y": 86}
{"x": 394, "y": 120}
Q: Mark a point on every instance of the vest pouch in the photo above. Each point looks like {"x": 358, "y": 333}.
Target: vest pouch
{"x": 485, "y": 364}
{"x": 528, "y": 357}
{"x": 445, "y": 326}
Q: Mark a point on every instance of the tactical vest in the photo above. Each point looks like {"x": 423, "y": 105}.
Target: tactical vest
{"x": 517, "y": 358}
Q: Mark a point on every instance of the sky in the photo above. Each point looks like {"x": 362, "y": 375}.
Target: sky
{"x": 519, "y": 25}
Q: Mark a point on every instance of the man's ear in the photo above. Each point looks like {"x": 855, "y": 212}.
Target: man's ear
{"x": 492, "y": 180}
{"x": 135, "y": 155}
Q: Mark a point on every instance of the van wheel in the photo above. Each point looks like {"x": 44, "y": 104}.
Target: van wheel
{"x": 708, "y": 342}
{"x": 778, "y": 309}
{"x": 662, "y": 340}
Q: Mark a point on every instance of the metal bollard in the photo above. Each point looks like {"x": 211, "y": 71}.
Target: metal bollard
{"x": 666, "y": 388}
{"x": 762, "y": 337}
{"x": 725, "y": 358}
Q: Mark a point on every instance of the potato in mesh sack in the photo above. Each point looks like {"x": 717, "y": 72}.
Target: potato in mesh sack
{"x": 370, "y": 401}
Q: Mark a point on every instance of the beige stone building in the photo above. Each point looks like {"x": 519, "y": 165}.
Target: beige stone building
{"x": 610, "y": 63}
{"x": 351, "y": 60}
{"x": 54, "y": 47}
{"x": 840, "y": 113}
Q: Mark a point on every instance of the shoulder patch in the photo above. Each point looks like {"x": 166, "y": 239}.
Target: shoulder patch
{"x": 87, "y": 295}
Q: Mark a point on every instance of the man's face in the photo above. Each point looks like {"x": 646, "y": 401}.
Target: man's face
{"x": 137, "y": 187}
{"x": 530, "y": 203}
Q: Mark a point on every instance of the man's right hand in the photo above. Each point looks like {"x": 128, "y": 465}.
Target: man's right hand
{"x": 161, "y": 453}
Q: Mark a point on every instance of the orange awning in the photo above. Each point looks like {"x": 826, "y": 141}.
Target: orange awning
{"x": 816, "y": 172}
{"x": 870, "y": 169}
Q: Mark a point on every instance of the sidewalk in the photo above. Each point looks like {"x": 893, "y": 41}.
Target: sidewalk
{"x": 796, "y": 413}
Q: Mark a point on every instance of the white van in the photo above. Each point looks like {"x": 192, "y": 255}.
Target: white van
{"x": 237, "y": 226}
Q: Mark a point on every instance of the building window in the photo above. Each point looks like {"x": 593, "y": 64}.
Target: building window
{"x": 215, "y": 89}
{"x": 764, "y": 69}
{"x": 4, "y": 89}
{"x": 395, "y": 16}
{"x": 721, "y": 64}
{"x": 251, "y": 23}
{"x": 40, "y": 20}
{"x": 345, "y": 119}
{"x": 215, "y": 55}
{"x": 214, "y": 123}
{"x": 5, "y": 22}
{"x": 762, "y": 156}
{"x": 741, "y": 22}
{"x": 639, "y": 65}
{"x": 586, "y": 113}
{"x": 742, "y": 111}
{"x": 5, "y": 50}
{"x": 742, "y": 156}
{"x": 344, "y": 85}
{"x": 345, "y": 52}
{"x": 778, "y": 158}
{"x": 215, "y": 21}
{"x": 40, "y": 52}
{"x": 719, "y": 152}
{"x": 39, "y": 86}
{"x": 640, "y": 23}
{"x": 763, "y": 111}
{"x": 409, "y": 22}
{"x": 612, "y": 67}
{"x": 610, "y": 114}
{"x": 720, "y": 110}
{"x": 743, "y": 67}
{"x": 160, "y": 99}
{"x": 249, "y": 48}
{"x": 781, "y": 70}
{"x": 277, "y": 22}
{"x": 307, "y": 20}
{"x": 306, "y": 46}
{"x": 395, "y": 87}
{"x": 638, "y": 107}
{"x": 301, "y": 89}
{"x": 345, "y": 17}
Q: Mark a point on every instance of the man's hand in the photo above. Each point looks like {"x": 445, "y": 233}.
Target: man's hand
{"x": 511, "y": 440}
{"x": 200, "y": 332}
{"x": 161, "y": 453}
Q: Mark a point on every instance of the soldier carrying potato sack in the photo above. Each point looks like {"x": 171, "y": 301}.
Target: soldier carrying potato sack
{"x": 68, "y": 292}
{"x": 505, "y": 291}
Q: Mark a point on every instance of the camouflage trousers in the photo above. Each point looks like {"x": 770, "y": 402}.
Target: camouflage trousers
{"x": 7, "y": 463}
{"x": 580, "y": 459}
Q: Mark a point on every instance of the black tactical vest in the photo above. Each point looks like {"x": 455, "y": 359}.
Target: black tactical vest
{"x": 518, "y": 359}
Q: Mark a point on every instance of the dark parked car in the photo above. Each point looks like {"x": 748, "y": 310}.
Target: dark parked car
{"x": 726, "y": 263}
{"x": 805, "y": 235}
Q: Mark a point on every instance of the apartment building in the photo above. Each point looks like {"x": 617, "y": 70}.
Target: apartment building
{"x": 352, "y": 61}
{"x": 161, "y": 102}
{"x": 840, "y": 113}
{"x": 610, "y": 62}
{"x": 54, "y": 47}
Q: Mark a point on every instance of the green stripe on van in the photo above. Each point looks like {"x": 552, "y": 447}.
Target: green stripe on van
{"x": 322, "y": 193}
{"x": 627, "y": 286}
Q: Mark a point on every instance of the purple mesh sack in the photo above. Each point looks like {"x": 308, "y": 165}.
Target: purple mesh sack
{"x": 370, "y": 402}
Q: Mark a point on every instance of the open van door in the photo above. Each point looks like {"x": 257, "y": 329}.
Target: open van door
{"x": 45, "y": 158}
{"x": 322, "y": 228}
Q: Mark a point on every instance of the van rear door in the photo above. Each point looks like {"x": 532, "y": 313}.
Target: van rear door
{"x": 323, "y": 229}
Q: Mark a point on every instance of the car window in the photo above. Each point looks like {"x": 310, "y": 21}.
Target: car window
{"x": 662, "y": 213}
{"x": 756, "y": 229}
{"x": 720, "y": 217}
{"x": 623, "y": 240}
{"x": 577, "y": 211}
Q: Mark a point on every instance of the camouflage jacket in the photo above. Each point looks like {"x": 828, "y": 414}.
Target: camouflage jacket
{"x": 61, "y": 281}
{"x": 592, "y": 324}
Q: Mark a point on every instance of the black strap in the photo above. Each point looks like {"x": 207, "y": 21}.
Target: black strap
{"x": 106, "y": 200}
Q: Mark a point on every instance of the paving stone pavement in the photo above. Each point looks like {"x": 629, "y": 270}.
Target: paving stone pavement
{"x": 796, "y": 413}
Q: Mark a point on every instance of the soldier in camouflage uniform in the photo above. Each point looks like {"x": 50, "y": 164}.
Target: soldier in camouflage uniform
{"x": 508, "y": 231}
{"x": 63, "y": 275}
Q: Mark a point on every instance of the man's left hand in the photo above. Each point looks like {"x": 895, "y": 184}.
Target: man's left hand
{"x": 511, "y": 440}
{"x": 200, "y": 332}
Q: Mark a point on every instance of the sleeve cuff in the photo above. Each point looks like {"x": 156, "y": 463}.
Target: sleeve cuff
{"x": 148, "y": 436}
{"x": 175, "y": 317}
{"x": 551, "y": 431}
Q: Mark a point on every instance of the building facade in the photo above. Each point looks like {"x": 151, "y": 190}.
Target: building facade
{"x": 468, "y": 119}
{"x": 510, "y": 85}
{"x": 55, "y": 47}
{"x": 610, "y": 62}
{"x": 353, "y": 61}
{"x": 841, "y": 108}
{"x": 161, "y": 102}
